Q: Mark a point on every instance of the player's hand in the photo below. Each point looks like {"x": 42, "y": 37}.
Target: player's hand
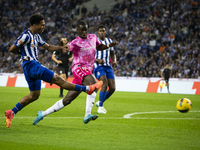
{"x": 65, "y": 47}
{"x": 59, "y": 62}
{"x": 99, "y": 61}
{"x": 114, "y": 43}
{"x": 70, "y": 59}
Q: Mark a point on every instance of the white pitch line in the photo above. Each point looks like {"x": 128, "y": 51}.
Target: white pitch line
{"x": 128, "y": 116}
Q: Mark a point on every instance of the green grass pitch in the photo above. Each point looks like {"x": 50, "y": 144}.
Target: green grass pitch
{"x": 155, "y": 124}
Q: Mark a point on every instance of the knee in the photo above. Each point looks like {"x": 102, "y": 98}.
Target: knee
{"x": 105, "y": 85}
{"x": 35, "y": 96}
{"x": 112, "y": 89}
{"x": 66, "y": 101}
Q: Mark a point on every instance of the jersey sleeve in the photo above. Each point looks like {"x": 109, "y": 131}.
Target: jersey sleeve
{"x": 97, "y": 41}
{"x": 40, "y": 41}
{"x": 56, "y": 53}
{"x": 22, "y": 40}
{"x": 164, "y": 71}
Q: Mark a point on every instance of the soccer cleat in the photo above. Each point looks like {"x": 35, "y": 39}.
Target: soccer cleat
{"x": 97, "y": 104}
{"x": 89, "y": 118}
{"x": 38, "y": 118}
{"x": 9, "y": 116}
{"x": 101, "y": 110}
{"x": 94, "y": 87}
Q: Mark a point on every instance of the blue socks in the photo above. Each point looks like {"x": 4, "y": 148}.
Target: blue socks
{"x": 80, "y": 88}
{"x": 17, "y": 108}
{"x": 101, "y": 98}
{"x": 107, "y": 95}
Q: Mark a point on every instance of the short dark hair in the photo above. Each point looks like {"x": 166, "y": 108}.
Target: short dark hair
{"x": 82, "y": 22}
{"x": 100, "y": 26}
{"x": 35, "y": 19}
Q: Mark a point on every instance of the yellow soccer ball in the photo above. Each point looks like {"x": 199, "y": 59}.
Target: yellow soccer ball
{"x": 184, "y": 105}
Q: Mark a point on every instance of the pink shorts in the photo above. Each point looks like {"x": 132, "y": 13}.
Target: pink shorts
{"x": 79, "y": 73}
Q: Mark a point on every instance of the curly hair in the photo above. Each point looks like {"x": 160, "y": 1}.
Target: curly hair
{"x": 35, "y": 19}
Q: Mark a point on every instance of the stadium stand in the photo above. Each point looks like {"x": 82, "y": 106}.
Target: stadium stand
{"x": 151, "y": 32}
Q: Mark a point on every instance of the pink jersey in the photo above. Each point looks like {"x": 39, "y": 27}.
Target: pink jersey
{"x": 84, "y": 51}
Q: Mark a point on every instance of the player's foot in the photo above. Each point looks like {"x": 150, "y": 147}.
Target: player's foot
{"x": 38, "y": 118}
{"x": 89, "y": 118}
{"x": 94, "y": 87}
{"x": 61, "y": 96}
{"x": 101, "y": 110}
{"x": 9, "y": 116}
{"x": 97, "y": 104}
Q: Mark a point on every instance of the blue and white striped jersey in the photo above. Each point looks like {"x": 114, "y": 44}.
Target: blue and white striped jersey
{"x": 105, "y": 54}
{"x": 28, "y": 43}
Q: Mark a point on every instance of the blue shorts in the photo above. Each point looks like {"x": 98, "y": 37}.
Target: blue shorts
{"x": 34, "y": 72}
{"x": 104, "y": 70}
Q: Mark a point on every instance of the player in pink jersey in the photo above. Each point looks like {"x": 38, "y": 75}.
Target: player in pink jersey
{"x": 84, "y": 50}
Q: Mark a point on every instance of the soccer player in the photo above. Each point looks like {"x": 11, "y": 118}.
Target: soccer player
{"x": 26, "y": 45}
{"x": 84, "y": 50}
{"x": 103, "y": 70}
{"x": 166, "y": 76}
{"x": 62, "y": 60}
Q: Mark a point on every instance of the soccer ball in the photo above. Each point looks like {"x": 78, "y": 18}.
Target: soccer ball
{"x": 184, "y": 105}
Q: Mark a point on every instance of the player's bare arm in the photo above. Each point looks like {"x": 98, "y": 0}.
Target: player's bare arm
{"x": 102, "y": 46}
{"x": 71, "y": 58}
{"x": 113, "y": 57}
{"x": 55, "y": 48}
{"x": 56, "y": 60}
{"x": 14, "y": 49}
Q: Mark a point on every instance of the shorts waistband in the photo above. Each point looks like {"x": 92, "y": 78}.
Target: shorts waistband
{"x": 26, "y": 58}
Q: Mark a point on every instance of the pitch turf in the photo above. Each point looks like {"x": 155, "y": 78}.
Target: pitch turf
{"x": 155, "y": 124}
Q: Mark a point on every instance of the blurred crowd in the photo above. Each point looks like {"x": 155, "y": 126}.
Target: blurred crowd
{"x": 152, "y": 33}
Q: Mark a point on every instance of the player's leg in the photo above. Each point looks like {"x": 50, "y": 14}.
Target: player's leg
{"x": 167, "y": 84}
{"x": 61, "y": 71}
{"x": 61, "y": 89}
{"x": 35, "y": 87}
{"x": 71, "y": 95}
{"x": 52, "y": 77}
{"x": 111, "y": 90}
{"x": 110, "y": 80}
{"x": 89, "y": 79}
{"x": 103, "y": 90}
{"x": 100, "y": 74}
{"x": 111, "y": 83}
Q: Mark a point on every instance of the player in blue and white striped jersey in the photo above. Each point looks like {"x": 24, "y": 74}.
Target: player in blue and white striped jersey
{"x": 103, "y": 70}
{"x": 26, "y": 45}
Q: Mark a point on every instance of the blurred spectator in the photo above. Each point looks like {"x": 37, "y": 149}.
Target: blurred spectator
{"x": 142, "y": 27}
{"x": 83, "y": 10}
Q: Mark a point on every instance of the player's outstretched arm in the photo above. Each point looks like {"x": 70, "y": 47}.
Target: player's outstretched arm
{"x": 102, "y": 46}
{"x": 55, "y": 48}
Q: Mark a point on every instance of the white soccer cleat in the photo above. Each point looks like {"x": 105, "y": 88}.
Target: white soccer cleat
{"x": 101, "y": 110}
